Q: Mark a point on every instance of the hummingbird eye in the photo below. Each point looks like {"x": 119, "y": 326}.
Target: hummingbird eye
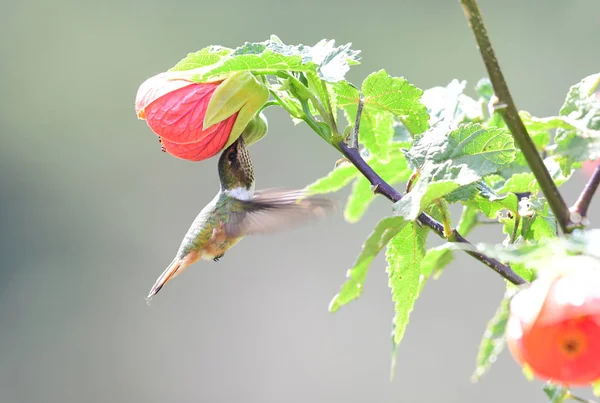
{"x": 231, "y": 156}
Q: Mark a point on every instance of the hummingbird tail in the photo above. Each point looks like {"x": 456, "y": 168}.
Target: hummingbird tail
{"x": 176, "y": 267}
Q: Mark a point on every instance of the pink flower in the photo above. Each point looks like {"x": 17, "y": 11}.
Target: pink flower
{"x": 175, "y": 110}
{"x": 195, "y": 121}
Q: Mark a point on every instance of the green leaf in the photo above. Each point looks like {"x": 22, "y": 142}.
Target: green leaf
{"x": 449, "y": 161}
{"x": 481, "y": 197}
{"x": 376, "y": 131}
{"x": 335, "y": 180}
{"x": 536, "y": 221}
{"x": 581, "y": 110}
{"x": 202, "y": 58}
{"x": 265, "y": 62}
{"x": 333, "y": 62}
{"x": 463, "y": 193}
{"x": 330, "y": 63}
{"x": 526, "y": 273}
{"x": 579, "y": 94}
{"x": 404, "y": 255}
{"x": 539, "y": 128}
{"x": 385, "y": 230}
{"x": 451, "y": 105}
{"x": 490, "y": 203}
{"x": 359, "y": 200}
{"x": 508, "y": 228}
{"x": 556, "y": 393}
{"x": 494, "y": 338}
{"x": 543, "y": 225}
{"x": 484, "y": 150}
{"x": 520, "y": 182}
{"x": 382, "y": 93}
{"x": 424, "y": 193}
{"x": 392, "y": 171}
{"x": 596, "y": 388}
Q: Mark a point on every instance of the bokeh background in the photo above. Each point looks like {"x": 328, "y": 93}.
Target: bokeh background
{"x": 91, "y": 211}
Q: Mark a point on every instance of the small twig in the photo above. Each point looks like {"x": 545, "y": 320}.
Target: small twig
{"x": 508, "y": 110}
{"x": 583, "y": 202}
{"x": 382, "y": 187}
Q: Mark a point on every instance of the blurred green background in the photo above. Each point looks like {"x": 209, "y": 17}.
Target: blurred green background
{"x": 91, "y": 211}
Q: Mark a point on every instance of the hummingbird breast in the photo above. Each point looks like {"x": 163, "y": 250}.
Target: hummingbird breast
{"x": 218, "y": 243}
{"x": 207, "y": 236}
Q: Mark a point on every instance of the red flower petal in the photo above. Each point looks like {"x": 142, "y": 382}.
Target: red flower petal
{"x": 205, "y": 148}
{"x": 179, "y": 115}
{"x": 175, "y": 109}
{"x": 154, "y": 88}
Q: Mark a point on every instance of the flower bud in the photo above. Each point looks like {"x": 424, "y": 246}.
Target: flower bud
{"x": 554, "y": 324}
{"x": 194, "y": 120}
{"x": 255, "y": 129}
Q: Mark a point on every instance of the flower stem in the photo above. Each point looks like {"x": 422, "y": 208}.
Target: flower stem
{"x": 508, "y": 110}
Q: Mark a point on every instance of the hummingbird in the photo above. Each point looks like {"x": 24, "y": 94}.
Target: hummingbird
{"x": 237, "y": 210}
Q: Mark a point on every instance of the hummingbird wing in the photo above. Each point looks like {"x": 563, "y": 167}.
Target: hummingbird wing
{"x": 274, "y": 210}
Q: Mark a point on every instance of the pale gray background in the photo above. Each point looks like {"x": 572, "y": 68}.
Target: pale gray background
{"x": 91, "y": 211}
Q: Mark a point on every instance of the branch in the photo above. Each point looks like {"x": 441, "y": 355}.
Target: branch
{"x": 580, "y": 208}
{"x": 382, "y": 187}
{"x": 508, "y": 110}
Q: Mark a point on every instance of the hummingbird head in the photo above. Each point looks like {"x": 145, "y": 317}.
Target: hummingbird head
{"x": 235, "y": 168}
